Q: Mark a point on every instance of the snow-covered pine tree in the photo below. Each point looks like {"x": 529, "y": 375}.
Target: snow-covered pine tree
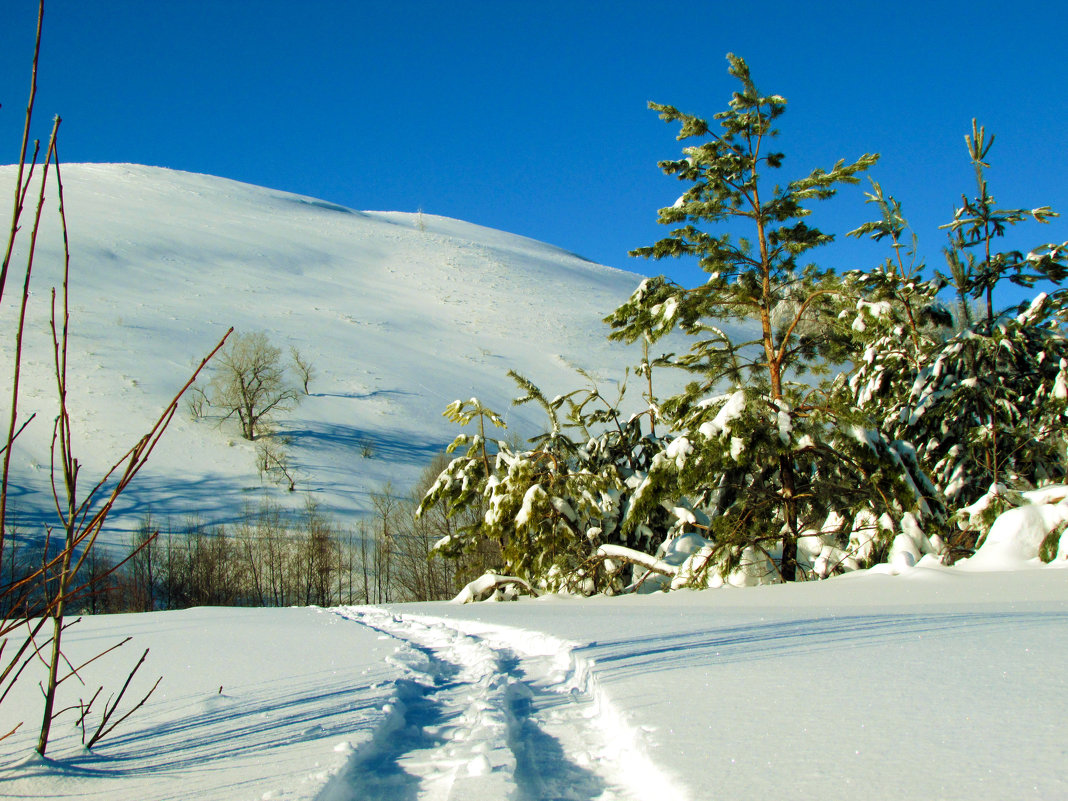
{"x": 525, "y": 495}
{"x": 984, "y": 404}
{"x": 761, "y": 459}
{"x": 979, "y": 222}
{"x": 540, "y": 501}
{"x": 550, "y": 508}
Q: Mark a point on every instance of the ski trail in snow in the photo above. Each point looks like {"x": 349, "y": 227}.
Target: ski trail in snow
{"x": 476, "y": 718}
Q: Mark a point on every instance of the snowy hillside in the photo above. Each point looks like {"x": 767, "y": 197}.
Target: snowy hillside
{"x": 399, "y": 314}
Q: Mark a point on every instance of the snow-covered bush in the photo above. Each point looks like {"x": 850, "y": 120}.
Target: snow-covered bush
{"x": 550, "y": 507}
{"x": 981, "y": 407}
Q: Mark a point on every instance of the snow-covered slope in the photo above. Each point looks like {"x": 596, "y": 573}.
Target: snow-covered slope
{"x": 399, "y": 313}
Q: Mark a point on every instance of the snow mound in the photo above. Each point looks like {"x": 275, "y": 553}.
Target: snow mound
{"x": 1017, "y": 535}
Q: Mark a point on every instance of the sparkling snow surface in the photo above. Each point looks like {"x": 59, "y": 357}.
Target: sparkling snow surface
{"x": 933, "y": 684}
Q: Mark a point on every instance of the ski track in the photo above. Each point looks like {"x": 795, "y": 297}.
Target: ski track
{"x": 472, "y": 718}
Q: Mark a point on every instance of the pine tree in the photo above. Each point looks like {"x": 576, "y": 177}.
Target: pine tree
{"x": 978, "y": 222}
{"x": 985, "y": 403}
{"x": 548, "y": 508}
{"x": 761, "y": 457}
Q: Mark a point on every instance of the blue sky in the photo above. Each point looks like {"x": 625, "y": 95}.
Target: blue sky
{"x": 532, "y": 118}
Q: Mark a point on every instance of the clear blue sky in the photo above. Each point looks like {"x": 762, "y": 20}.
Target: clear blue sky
{"x": 531, "y": 116}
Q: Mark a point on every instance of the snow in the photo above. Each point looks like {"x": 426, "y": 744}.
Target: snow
{"x": 500, "y": 587}
{"x": 935, "y": 683}
{"x": 1016, "y": 535}
{"x": 677, "y": 451}
{"x": 738, "y": 445}
{"x": 1060, "y": 384}
{"x": 785, "y": 423}
{"x": 250, "y": 704}
{"x": 532, "y": 496}
{"x": 728, "y": 413}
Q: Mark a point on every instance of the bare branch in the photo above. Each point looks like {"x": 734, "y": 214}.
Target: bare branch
{"x": 109, "y": 709}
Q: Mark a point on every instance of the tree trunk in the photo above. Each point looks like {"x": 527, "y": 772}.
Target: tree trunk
{"x": 788, "y": 563}
{"x": 62, "y": 582}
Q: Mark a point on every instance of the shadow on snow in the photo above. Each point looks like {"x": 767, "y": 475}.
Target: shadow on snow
{"x": 747, "y": 642}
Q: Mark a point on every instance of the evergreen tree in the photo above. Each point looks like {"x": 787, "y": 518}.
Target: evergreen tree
{"x": 985, "y": 405}
{"x": 771, "y": 458}
{"x": 978, "y": 222}
{"x": 812, "y": 444}
{"x": 549, "y": 508}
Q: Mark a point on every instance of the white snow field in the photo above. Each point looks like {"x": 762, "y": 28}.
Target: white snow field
{"x": 399, "y": 314}
{"x": 938, "y": 683}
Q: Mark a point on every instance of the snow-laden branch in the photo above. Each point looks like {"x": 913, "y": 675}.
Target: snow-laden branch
{"x": 624, "y": 554}
{"x": 485, "y": 587}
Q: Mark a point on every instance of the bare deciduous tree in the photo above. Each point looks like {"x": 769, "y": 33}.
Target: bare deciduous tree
{"x": 250, "y": 383}
{"x": 305, "y": 369}
{"x": 272, "y": 460}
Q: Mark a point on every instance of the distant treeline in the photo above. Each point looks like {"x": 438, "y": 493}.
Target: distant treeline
{"x": 269, "y": 558}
